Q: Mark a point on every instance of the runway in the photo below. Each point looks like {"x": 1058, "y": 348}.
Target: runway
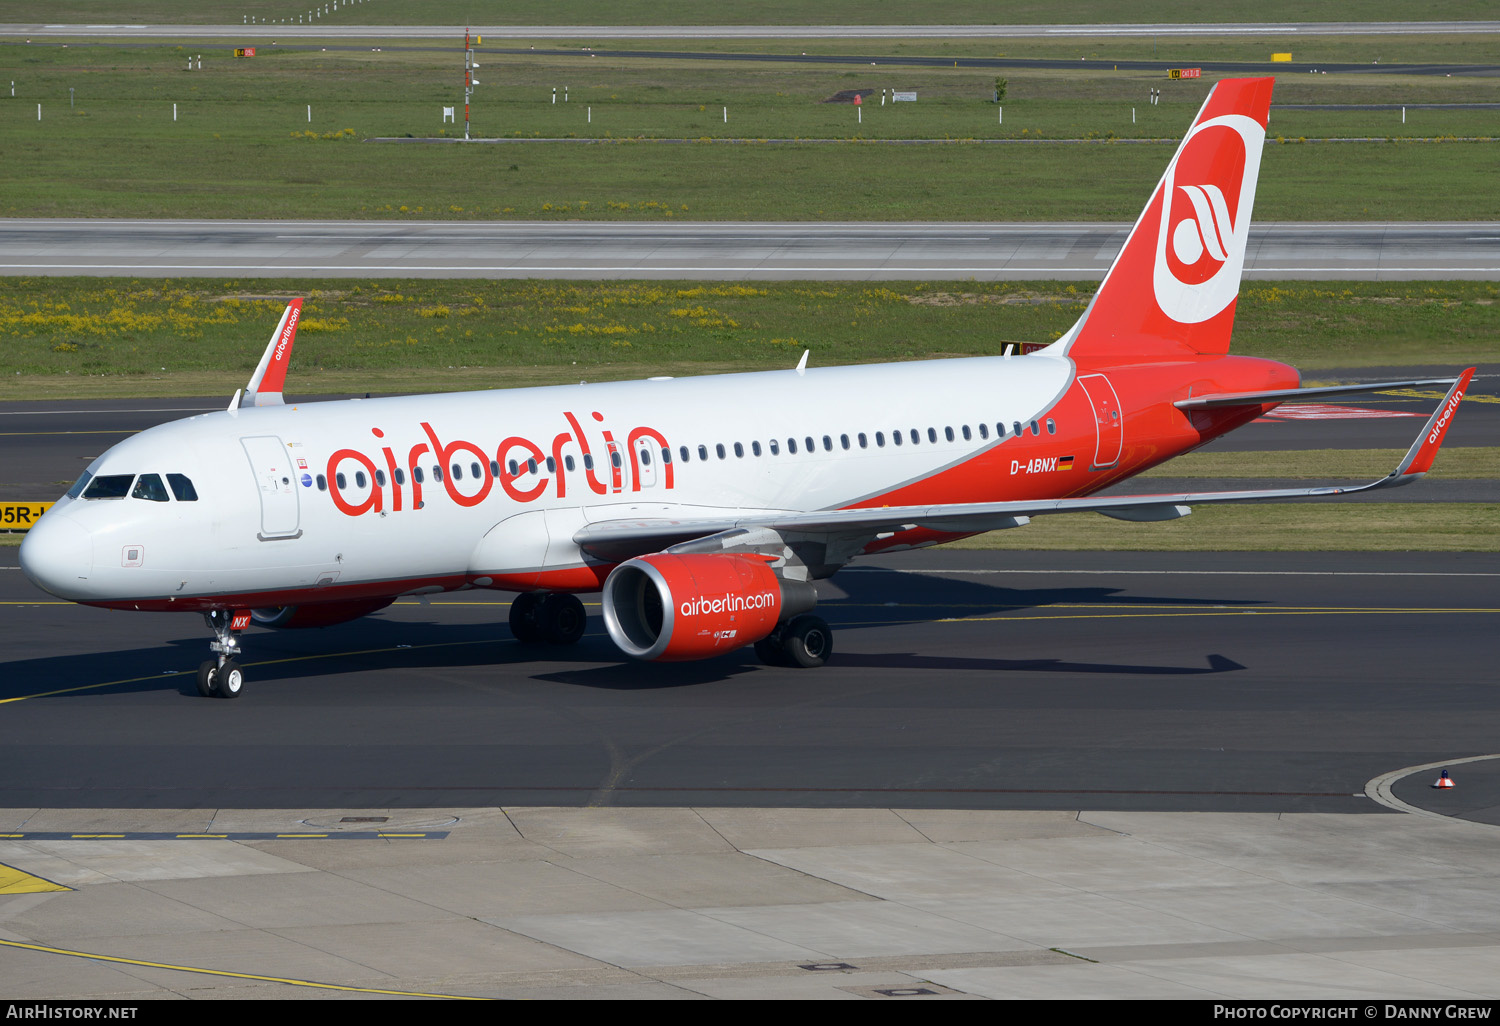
{"x": 874, "y": 251}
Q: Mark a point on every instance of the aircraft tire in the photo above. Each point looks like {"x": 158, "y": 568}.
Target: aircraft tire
{"x": 562, "y": 619}
{"x": 525, "y": 622}
{"x": 208, "y": 678}
{"x": 769, "y": 651}
{"x": 230, "y": 680}
{"x": 807, "y": 641}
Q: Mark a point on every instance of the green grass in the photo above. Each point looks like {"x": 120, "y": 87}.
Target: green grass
{"x": 242, "y": 145}
{"x": 746, "y": 12}
{"x": 92, "y": 337}
{"x": 1262, "y": 527}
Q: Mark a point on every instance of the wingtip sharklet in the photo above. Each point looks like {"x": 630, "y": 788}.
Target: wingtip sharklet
{"x": 1420, "y": 456}
{"x": 269, "y": 380}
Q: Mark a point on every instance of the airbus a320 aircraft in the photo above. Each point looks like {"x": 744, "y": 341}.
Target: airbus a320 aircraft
{"x": 703, "y": 508}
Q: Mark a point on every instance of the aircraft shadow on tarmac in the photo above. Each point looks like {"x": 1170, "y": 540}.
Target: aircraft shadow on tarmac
{"x": 867, "y": 600}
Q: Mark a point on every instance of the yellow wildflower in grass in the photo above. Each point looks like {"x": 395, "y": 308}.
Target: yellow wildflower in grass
{"x": 313, "y": 325}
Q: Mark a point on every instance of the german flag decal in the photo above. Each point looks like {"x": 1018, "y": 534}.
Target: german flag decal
{"x": 1065, "y": 463}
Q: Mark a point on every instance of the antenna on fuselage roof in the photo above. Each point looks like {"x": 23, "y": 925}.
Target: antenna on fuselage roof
{"x": 802, "y": 363}
{"x": 269, "y": 379}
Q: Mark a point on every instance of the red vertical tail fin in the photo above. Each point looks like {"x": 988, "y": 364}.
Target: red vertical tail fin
{"x": 1171, "y": 292}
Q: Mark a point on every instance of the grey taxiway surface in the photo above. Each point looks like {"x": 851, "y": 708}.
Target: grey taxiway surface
{"x": 732, "y": 250}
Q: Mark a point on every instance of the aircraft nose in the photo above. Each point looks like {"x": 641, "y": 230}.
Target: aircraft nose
{"x": 57, "y": 555}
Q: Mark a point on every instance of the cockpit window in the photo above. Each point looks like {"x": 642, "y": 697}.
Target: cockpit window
{"x": 183, "y": 488}
{"x": 109, "y": 486}
{"x": 149, "y": 486}
{"x": 80, "y": 485}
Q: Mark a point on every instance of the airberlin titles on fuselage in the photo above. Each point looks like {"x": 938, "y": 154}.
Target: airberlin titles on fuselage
{"x": 396, "y": 482}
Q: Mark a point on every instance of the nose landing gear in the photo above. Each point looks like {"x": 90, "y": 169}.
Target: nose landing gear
{"x": 222, "y": 676}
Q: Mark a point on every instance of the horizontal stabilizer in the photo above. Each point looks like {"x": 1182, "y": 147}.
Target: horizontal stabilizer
{"x": 269, "y": 379}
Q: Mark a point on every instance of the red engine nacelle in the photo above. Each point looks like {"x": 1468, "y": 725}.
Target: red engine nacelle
{"x": 671, "y": 608}
{"x": 318, "y": 614}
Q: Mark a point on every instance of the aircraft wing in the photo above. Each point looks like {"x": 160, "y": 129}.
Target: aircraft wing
{"x": 621, "y": 539}
{"x": 1291, "y": 395}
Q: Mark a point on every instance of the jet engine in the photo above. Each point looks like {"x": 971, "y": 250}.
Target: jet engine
{"x": 318, "y": 614}
{"x": 674, "y": 608}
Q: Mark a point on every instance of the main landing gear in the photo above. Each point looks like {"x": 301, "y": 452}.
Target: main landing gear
{"x": 803, "y": 641}
{"x": 222, "y": 676}
{"x": 552, "y": 619}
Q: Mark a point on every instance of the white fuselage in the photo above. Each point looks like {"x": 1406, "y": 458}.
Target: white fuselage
{"x": 299, "y": 498}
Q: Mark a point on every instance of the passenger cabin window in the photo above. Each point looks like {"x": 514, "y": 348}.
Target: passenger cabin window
{"x": 380, "y": 478}
{"x": 1051, "y": 426}
{"x": 682, "y": 451}
{"x": 775, "y": 448}
{"x": 184, "y": 491}
{"x": 416, "y": 475}
{"x": 948, "y": 433}
{"x": 322, "y": 484}
{"x": 984, "y": 431}
{"x": 437, "y": 473}
{"x": 109, "y": 486}
{"x": 149, "y": 486}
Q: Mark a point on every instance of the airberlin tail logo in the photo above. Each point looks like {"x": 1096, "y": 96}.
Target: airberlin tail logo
{"x": 1207, "y": 196}
{"x": 288, "y": 331}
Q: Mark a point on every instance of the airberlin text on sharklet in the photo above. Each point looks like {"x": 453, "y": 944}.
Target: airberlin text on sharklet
{"x": 702, "y": 508}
